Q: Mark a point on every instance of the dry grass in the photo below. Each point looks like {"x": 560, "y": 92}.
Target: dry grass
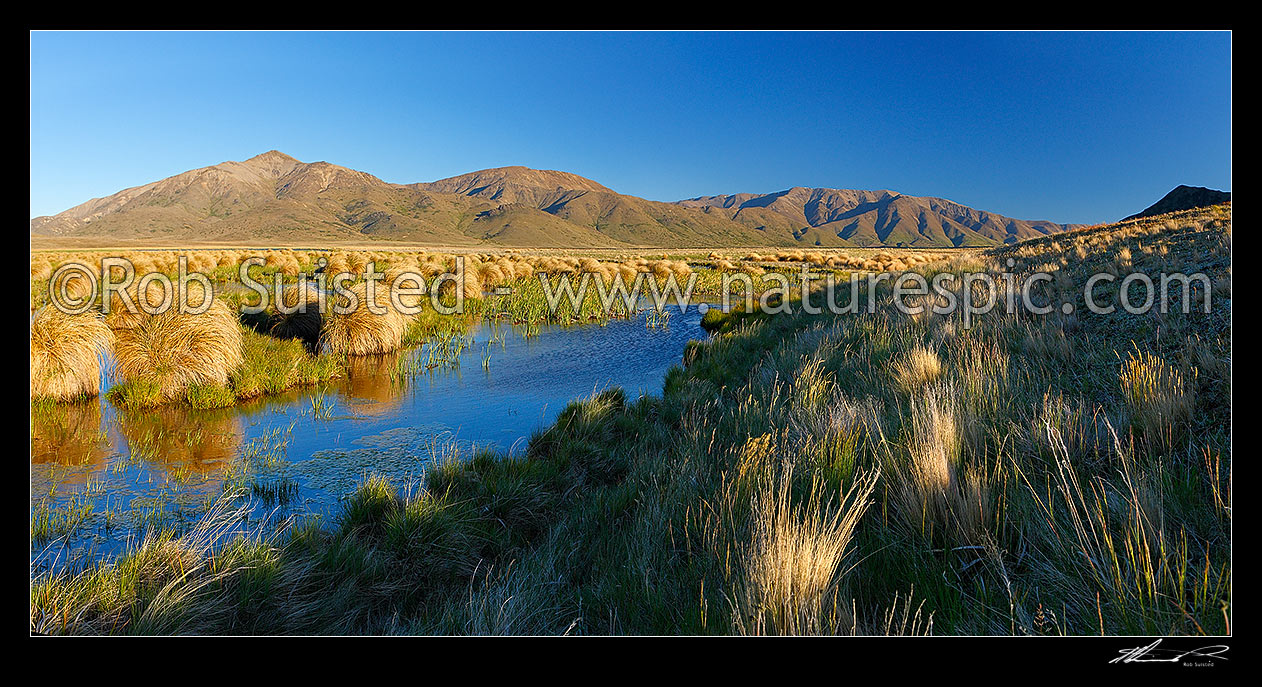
{"x": 793, "y": 566}
{"x": 1156, "y": 395}
{"x": 362, "y": 331}
{"x": 935, "y": 492}
{"x": 916, "y": 368}
{"x": 66, "y": 352}
{"x": 172, "y": 350}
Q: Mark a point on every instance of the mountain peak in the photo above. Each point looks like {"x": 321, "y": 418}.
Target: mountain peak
{"x": 272, "y": 156}
{"x": 496, "y": 178}
{"x": 1184, "y": 197}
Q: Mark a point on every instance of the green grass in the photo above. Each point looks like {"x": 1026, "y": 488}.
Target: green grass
{"x": 1011, "y": 493}
{"x": 271, "y": 366}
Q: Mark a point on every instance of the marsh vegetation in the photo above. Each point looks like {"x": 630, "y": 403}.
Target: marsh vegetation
{"x": 878, "y": 473}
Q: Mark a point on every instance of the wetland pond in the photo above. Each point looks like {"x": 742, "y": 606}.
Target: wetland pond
{"x": 101, "y": 476}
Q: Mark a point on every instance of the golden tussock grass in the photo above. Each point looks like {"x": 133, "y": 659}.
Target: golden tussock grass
{"x": 360, "y": 331}
{"x": 171, "y": 350}
{"x": 793, "y": 565}
{"x": 1157, "y": 396}
{"x": 133, "y": 306}
{"x": 934, "y": 491}
{"x": 916, "y": 368}
{"x": 66, "y": 352}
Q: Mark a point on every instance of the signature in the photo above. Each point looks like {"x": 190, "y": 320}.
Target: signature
{"x": 1152, "y": 654}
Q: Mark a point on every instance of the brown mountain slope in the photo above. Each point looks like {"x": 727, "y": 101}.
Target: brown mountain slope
{"x": 869, "y": 218}
{"x": 275, "y": 199}
{"x": 620, "y": 218}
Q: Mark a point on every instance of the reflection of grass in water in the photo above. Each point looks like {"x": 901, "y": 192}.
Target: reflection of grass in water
{"x": 67, "y": 433}
{"x": 439, "y": 350}
{"x": 175, "y": 438}
{"x": 170, "y": 504}
{"x": 261, "y": 469}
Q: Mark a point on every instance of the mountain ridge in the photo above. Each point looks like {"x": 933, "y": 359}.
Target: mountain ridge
{"x": 1183, "y": 197}
{"x": 275, "y": 197}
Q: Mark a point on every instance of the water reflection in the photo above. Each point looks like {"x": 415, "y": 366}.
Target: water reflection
{"x": 391, "y": 415}
{"x": 69, "y": 435}
{"x": 370, "y": 387}
{"x": 178, "y": 439}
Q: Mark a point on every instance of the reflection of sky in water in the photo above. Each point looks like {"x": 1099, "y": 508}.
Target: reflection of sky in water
{"x": 168, "y": 464}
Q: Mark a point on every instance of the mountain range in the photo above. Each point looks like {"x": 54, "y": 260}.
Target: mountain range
{"x": 273, "y": 198}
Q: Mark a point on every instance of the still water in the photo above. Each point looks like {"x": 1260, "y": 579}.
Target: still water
{"x": 101, "y": 476}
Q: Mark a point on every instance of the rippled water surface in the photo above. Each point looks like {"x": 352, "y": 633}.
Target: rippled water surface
{"x": 101, "y": 475}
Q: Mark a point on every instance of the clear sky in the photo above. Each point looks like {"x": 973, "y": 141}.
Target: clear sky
{"x": 1081, "y": 127}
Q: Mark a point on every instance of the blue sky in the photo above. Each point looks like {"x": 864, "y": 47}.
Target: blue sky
{"x": 1080, "y": 127}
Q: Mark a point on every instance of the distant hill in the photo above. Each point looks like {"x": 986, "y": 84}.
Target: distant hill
{"x": 273, "y": 198}
{"x": 831, "y": 217}
{"x": 1184, "y": 198}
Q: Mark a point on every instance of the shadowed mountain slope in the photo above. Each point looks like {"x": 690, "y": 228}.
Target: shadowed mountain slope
{"x": 1184, "y": 198}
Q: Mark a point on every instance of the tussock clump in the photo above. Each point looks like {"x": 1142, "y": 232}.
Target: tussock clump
{"x": 133, "y": 306}
{"x": 936, "y": 494}
{"x": 172, "y": 350}
{"x": 628, "y": 273}
{"x": 360, "y": 331}
{"x": 66, "y": 353}
{"x": 40, "y": 269}
{"x": 358, "y": 262}
{"x": 404, "y": 278}
{"x": 201, "y": 262}
{"x": 793, "y": 566}
{"x": 79, "y": 286}
{"x": 471, "y": 283}
{"x": 935, "y": 444}
{"x": 1155, "y": 394}
{"x": 295, "y": 314}
{"x": 337, "y": 264}
{"x": 916, "y": 368}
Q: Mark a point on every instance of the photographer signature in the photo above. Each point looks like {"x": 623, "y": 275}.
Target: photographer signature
{"x": 1151, "y": 654}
